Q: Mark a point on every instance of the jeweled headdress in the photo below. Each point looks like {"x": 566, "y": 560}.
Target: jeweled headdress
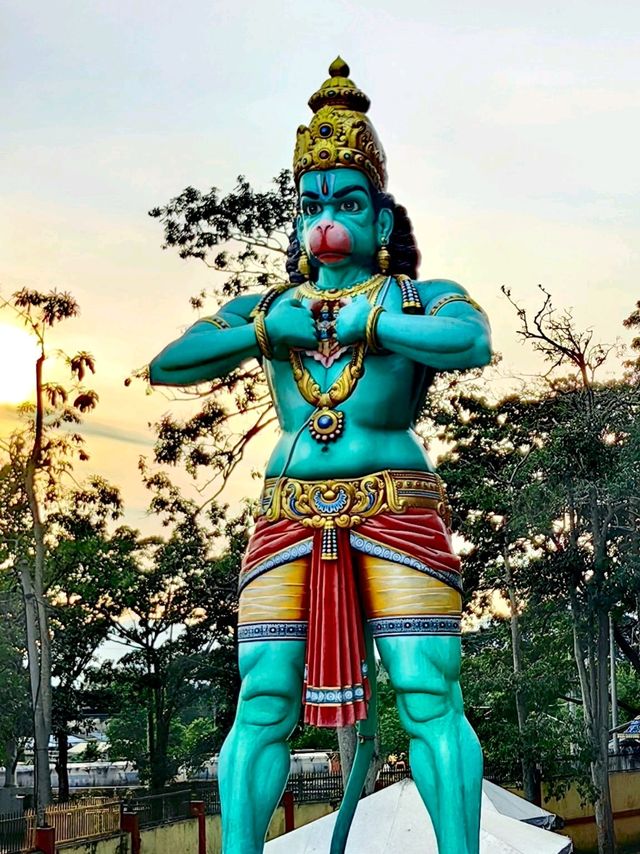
{"x": 340, "y": 134}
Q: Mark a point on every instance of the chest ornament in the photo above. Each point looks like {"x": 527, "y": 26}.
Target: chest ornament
{"x": 327, "y": 423}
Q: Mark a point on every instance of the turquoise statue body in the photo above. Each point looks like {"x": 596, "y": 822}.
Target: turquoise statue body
{"x": 349, "y": 348}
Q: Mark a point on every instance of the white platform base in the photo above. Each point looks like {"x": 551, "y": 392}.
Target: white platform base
{"x": 394, "y": 821}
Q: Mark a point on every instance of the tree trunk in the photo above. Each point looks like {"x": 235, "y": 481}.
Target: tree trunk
{"x": 600, "y": 766}
{"x": 374, "y": 768}
{"x": 11, "y": 762}
{"x": 38, "y": 636}
{"x": 62, "y": 767}
{"x": 347, "y": 739}
{"x": 529, "y": 777}
{"x": 159, "y": 765}
{"x": 41, "y": 730}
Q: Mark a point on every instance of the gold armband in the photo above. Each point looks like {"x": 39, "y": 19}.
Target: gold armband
{"x": 446, "y": 300}
{"x": 371, "y": 328}
{"x": 216, "y": 320}
{"x": 264, "y": 345}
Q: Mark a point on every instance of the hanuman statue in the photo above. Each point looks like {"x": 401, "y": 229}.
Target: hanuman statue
{"x": 352, "y": 543}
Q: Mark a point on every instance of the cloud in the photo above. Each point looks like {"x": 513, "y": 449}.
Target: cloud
{"x": 103, "y": 429}
{"x": 117, "y": 434}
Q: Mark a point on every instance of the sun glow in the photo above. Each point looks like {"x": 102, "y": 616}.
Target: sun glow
{"x": 18, "y": 354}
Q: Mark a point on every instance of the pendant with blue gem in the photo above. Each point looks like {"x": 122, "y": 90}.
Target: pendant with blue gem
{"x": 326, "y": 425}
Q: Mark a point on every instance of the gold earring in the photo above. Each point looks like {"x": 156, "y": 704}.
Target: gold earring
{"x": 303, "y": 264}
{"x": 384, "y": 258}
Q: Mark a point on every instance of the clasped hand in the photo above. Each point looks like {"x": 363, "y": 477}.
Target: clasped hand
{"x": 291, "y": 324}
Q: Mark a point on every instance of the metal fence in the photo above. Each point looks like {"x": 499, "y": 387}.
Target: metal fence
{"x": 17, "y": 833}
{"x": 310, "y": 787}
{"x": 160, "y": 809}
{"x": 209, "y": 793}
{"x": 306, "y": 788}
{"x": 83, "y": 819}
{"x": 391, "y": 776}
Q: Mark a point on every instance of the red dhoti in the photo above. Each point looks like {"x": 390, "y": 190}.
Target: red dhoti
{"x": 395, "y": 569}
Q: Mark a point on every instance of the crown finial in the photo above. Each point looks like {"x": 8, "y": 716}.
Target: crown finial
{"x": 338, "y": 68}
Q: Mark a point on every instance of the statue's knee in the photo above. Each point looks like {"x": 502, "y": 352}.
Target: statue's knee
{"x": 269, "y": 710}
{"x": 419, "y": 707}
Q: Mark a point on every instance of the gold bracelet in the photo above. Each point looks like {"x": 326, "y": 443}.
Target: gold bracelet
{"x": 371, "y": 329}
{"x": 262, "y": 338}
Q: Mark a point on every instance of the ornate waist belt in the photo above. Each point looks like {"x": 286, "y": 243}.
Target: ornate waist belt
{"x": 346, "y": 502}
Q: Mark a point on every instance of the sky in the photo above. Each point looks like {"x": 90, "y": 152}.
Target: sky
{"x": 511, "y": 132}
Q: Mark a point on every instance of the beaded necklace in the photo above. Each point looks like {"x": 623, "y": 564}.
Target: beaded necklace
{"x": 310, "y": 291}
{"x": 327, "y": 423}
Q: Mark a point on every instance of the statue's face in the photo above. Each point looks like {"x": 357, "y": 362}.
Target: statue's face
{"x": 338, "y": 224}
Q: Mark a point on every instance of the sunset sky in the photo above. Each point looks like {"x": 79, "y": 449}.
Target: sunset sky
{"x": 511, "y": 132}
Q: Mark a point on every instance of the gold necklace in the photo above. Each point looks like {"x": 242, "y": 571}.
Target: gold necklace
{"x": 311, "y": 291}
{"x": 326, "y": 423}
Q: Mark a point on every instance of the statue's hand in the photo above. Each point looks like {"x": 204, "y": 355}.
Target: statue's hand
{"x": 290, "y": 324}
{"x": 352, "y": 320}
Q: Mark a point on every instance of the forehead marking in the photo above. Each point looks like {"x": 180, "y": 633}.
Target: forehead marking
{"x": 325, "y": 184}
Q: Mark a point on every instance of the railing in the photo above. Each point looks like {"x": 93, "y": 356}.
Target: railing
{"x": 306, "y": 788}
{"x": 391, "y": 776}
{"x": 17, "y": 833}
{"x": 208, "y": 792}
{"x": 160, "y": 809}
{"x": 84, "y": 819}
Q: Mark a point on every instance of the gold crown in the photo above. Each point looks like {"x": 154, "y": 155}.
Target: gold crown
{"x": 340, "y": 134}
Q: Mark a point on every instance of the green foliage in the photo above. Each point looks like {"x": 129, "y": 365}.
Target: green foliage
{"x": 173, "y": 603}
{"x": 199, "y": 225}
{"x": 314, "y": 738}
{"x": 545, "y": 488}
{"x": 553, "y": 736}
{"x": 127, "y": 734}
{"x": 243, "y": 236}
{"x": 200, "y": 740}
{"x": 91, "y": 752}
{"x": 393, "y": 737}
{"x": 15, "y": 711}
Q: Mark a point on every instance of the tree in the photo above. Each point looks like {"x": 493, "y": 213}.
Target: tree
{"x": 589, "y": 485}
{"x": 545, "y": 487}
{"x": 488, "y": 472}
{"x": 243, "y": 237}
{"x": 82, "y": 549}
{"x": 37, "y": 456}
{"x": 174, "y": 604}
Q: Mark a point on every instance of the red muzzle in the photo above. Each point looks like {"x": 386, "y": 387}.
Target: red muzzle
{"x": 329, "y": 242}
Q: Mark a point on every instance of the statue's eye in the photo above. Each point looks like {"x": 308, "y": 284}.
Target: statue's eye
{"x": 311, "y": 208}
{"x": 350, "y": 206}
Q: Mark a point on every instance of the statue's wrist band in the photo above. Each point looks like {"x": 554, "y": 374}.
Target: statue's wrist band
{"x": 264, "y": 345}
{"x": 371, "y": 329}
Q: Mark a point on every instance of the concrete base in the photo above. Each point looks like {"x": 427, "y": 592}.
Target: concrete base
{"x": 394, "y": 821}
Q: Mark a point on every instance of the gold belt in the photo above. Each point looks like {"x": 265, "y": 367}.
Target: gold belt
{"x": 346, "y": 502}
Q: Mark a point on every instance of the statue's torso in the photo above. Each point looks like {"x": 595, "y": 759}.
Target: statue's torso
{"x": 379, "y": 415}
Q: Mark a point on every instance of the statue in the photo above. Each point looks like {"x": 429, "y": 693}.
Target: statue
{"x": 352, "y": 542}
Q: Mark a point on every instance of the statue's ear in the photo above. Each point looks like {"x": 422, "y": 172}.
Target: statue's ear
{"x": 300, "y": 230}
{"x": 384, "y": 225}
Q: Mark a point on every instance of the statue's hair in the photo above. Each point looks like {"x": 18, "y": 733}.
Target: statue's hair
{"x": 403, "y": 249}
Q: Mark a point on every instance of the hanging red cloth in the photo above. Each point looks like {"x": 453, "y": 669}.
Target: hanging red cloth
{"x": 336, "y": 687}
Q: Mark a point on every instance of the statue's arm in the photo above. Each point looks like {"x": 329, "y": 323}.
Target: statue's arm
{"x": 452, "y": 334}
{"x": 211, "y": 348}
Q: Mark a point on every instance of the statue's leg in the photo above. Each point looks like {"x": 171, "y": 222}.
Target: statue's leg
{"x": 254, "y": 761}
{"x": 445, "y": 755}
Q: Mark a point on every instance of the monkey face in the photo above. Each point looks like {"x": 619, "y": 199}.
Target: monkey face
{"x": 338, "y": 224}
